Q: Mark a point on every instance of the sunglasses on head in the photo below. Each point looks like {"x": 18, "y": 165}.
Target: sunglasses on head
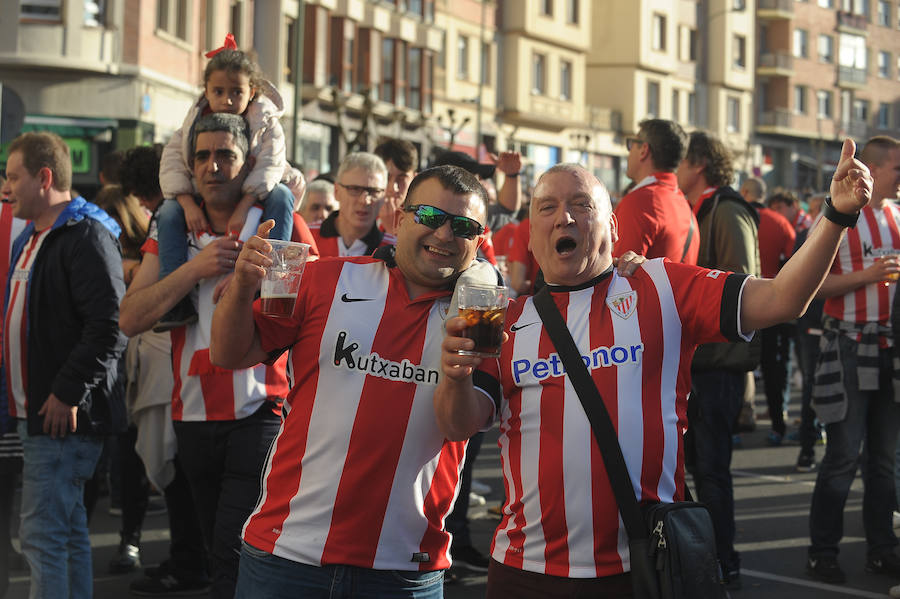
{"x": 434, "y": 218}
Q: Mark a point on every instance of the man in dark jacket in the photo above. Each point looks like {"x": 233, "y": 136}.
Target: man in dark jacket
{"x": 61, "y": 345}
{"x": 728, "y": 242}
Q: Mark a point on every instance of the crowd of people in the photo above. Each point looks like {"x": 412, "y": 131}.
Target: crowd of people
{"x": 330, "y": 453}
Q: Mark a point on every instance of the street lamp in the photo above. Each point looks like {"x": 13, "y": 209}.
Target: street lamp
{"x": 453, "y": 126}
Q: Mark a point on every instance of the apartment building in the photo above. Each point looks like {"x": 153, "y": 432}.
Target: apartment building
{"x": 688, "y": 61}
{"x": 827, "y": 69}
{"x": 109, "y": 73}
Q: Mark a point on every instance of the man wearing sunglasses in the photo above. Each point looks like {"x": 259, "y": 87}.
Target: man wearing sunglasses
{"x": 655, "y": 219}
{"x": 360, "y": 479}
{"x": 359, "y": 189}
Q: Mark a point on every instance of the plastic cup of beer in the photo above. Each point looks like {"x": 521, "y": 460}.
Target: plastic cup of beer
{"x": 282, "y": 281}
{"x": 484, "y": 308}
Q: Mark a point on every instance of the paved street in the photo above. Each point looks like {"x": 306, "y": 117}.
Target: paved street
{"x": 772, "y": 507}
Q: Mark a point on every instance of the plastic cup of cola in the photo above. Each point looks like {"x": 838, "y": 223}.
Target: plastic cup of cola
{"x": 484, "y": 308}
{"x": 282, "y": 281}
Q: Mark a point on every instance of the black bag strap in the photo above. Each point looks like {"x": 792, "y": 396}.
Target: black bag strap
{"x": 598, "y": 416}
{"x": 687, "y": 242}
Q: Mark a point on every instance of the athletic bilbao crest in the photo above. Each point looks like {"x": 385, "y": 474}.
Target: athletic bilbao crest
{"x": 622, "y": 305}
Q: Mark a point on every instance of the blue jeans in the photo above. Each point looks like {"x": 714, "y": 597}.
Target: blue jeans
{"x": 716, "y": 397}
{"x": 54, "y": 529}
{"x": 265, "y": 576}
{"x": 874, "y": 419}
{"x": 278, "y": 205}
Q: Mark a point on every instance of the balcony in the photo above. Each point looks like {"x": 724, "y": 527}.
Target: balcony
{"x": 855, "y": 128}
{"x": 775, "y": 63}
{"x": 851, "y": 23}
{"x": 604, "y": 119}
{"x": 772, "y": 120}
{"x": 775, "y": 9}
{"x": 851, "y": 77}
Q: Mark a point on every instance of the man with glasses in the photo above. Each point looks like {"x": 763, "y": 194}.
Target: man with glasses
{"x": 359, "y": 189}
{"x": 360, "y": 479}
{"x": 655, "y": 219}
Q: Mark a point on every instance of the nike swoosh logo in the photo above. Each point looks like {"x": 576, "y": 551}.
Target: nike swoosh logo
{"x": 516, "y": 327}
{"x": 348, "y": 299}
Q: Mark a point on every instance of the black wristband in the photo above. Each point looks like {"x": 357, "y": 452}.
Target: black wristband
{"x": 512, "y": 175}
{"x": 838, "y": 218}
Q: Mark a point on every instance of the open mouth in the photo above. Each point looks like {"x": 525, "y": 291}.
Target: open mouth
{"x": 565, "y": 246}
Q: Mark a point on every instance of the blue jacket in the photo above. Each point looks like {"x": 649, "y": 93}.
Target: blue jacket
{"x": 73, "y": 338}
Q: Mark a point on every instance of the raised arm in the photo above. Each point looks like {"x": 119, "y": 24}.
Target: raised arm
{"x": 510, "y": 193}
{"x": 460, "y": 409}
{"x": 234, "y": 341}
{"x": 148, "y": 298}
{"x": 766, "y": 302}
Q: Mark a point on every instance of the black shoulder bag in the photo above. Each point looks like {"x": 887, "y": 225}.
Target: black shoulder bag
{"x": 672, "y": 545}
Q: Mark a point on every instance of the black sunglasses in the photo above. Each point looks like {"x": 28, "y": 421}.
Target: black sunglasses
{"x": 630, "y": 141}
{"x": 434, "y": 218}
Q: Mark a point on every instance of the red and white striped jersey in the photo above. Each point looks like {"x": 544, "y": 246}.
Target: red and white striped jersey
{"x": 637, "y": 335}
{"x": 330, "y": 243}
{"x": 203, "y": 391}
{"x": 877, "y": 234}
{"x": 359, "y": 474}
{"x": 15, "y": 325}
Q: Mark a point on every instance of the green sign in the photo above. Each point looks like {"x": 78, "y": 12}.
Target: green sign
{"x": 79, "y": 152}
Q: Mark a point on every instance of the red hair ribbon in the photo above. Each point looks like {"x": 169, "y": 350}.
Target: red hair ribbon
{"x": 230, "y": 44}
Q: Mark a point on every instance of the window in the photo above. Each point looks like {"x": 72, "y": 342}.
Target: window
{"x": 41, "y": 10}
{"x": 882, "y": 118}
{"x": 676, "y": 108}
{"x": 400, "y": 71}
{"x": 572, "y": 12}
{"x": 486, "y": 63}
{"x": 547, "y": 8}
{"x": 290, "y": 51}
{"x": 692, "y": 108}
{"x": 462, "y": 57}
{"x": 800, "y": 99}
{"x": 565, "y": 80}
{"x": 687, "y": 43}
{"x": 658, "y": 41}
{"x": 415, "y": 79}
{"x": 94, "y": 13}
{"x": 861, "y": 7}
{"x": 652, "y": 99}
{"x": 861, "y": 110}
{"x": 738, "y": 4}
{"x": 739, "y": 50}
{"x": 343, "y": 53}
{"x": 172, "y": 17}
{"x": 734, "y": 115}
{"x": 539, "y": 74}
{"x": 826, "y": 3}
{"x": 884, "y": 65}
{"x": 800, "y": 43}
{"x": 236, "y": 21}
{"x": 826, "y": 48}
{"x": 884, "y": 13}
{"x": 387, "y": 70}
{"x": 823, "y": 104}
{"x": 428, "y": 82}
{"x": 852, "y": 51}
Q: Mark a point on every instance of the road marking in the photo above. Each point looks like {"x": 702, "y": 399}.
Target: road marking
{"x": 831, "y": 588}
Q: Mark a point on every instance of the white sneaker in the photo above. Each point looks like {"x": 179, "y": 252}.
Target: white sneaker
{"x": 895, "y": 591}
{"x": 896, "y": 519}
{"x": 480, "y": 488}
{"x": 476, "y": 499}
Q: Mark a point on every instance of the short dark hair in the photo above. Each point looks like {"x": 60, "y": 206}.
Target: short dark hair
{"x": 109, "y": 166}
{"x": 399, "y": 151}
{"x": 708, "y": 150}
{"x": 221, "y": 121}
{"x": 139, "y": 171}
{"x": 783, "y": 197}
{"x": 41, "y": 149}
{"x": 667, "y": 142}
{"x": 876, "y": 149}
{"x": 452, "y": 178}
